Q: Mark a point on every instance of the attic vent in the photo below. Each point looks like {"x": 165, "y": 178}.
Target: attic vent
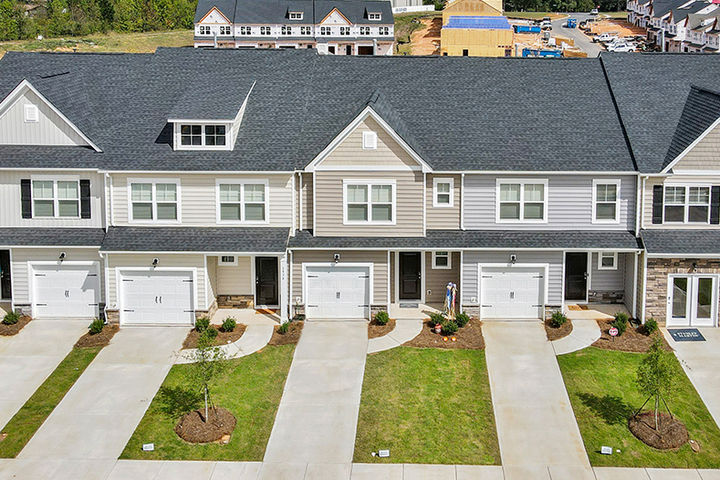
{"x": 55, "y": 74}
{"x": 369, "y": 140}
{"x": 31, "y": 114}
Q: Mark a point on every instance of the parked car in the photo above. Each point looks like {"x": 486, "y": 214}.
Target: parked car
{"x": 621, "y": 47}
{"x": 605, "y": 38}
{"x": 545, "y": 24}
{"x": 594, "y": 11}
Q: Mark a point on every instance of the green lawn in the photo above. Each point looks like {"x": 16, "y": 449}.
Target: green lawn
{"x": 601, "y": 384}
{"x": 427, "y": 406}
{"x": 251, "y": 389}
{"x": 28, "y": 419}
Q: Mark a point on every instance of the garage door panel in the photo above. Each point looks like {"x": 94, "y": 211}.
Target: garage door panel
{"x": 65, "y": 290}
{"x": 512, "y": 292}
{"x": 157, "y": 298}
{"x": 337, "y": 292}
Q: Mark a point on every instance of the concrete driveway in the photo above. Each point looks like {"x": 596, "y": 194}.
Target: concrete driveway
{"x": 29, "y": 357}
{"x": 101, "y": 411}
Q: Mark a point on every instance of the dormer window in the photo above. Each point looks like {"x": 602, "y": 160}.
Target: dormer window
{"x": 296, "y": 15}
{"x": 202, "y": 135}
{"x": 374, "y": 16}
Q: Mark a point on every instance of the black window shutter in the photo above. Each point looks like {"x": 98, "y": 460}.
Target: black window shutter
{"x": 715, "y": 205}
{"x": 26, "y": 198}
{"x": 657, "y": 206}
{"x": 84, "y": 198}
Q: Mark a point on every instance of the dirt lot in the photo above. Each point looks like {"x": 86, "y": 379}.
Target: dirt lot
{"x": 426, "y": 40}
{"x": 620, "y": 27}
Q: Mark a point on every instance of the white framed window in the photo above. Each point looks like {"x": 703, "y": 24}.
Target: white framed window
{"x": 205, "y": 30}
{"x": 606, "y": 201}
{"x": 245, "y": 30}
{"x": 345, "y": 31}
{"x": 154, "y": 200}
{"x": 227, "y": 261}
{"x": 296, "y": 15}
{"x": 225, "y": 30}
{"x": 443, "y": 192}
{"x": 203, "y": 136}
{"x": 264, "y": 30}
{"x": 374, "y": 16}
{"x": 364, "y": 30}
{"x": 369, "y": 140}
{"x": 607, "y": 261}
{"x": 242, "y": 201}
{"x": 304, "y": 30}
{"x": 325, "y": 31}
{"x": 441, "y": 260}
{"x": 521, "y": 201}
{"x": 31, "y": 113}
{"x": 369, "y": 202}
{"x": 686, "y": 204}
{"x": 286, "y": 30}
{"x": 55, "y": 198}
{"x": 384, "y": 31}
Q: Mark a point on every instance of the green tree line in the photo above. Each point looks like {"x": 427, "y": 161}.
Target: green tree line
{"x": 564, "y": 5}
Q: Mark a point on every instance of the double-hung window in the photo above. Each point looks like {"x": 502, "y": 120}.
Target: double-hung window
{"x": 605, "y": 201}
{"x": 325, "y": 31}
{"x": 286, "y": 30}
{"x": 369, "y": 202}
{"x": 56, "y": 198}
{"x": 384, "y": 31}
{"x": 521, "y": 201}
{"x": 304, "y": 30}
{"x": 203, "y": 135}
{"x": 154, "y": 201}
{"x": 364, "y": 30}
{"x": 242, "y": 202}
{"x": 344, "y": 30}
{"x": 204, "y": 30}
{"x": 264, "y": 30}
{"x": 245, "y": 30}
{"x": 224, "y": 30}
{"x": 687, "y": 204}
{"x": 443, "y": 192}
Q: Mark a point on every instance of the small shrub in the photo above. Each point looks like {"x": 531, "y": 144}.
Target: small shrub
{"x": 620, "y": 322}
{"x": 299, "y": 317}
{"x": 228, "y": 324}
{"x": 283, "y": 328}
{"x": 650, "y": 326}
{"x": 449, "y": 327}
{"x": 96, "y": 326}
{"x": 202, "y": 324}
{"x": 557, "y": 320}
{"x": 436, "y": 318}
{"x": 11, "y": 318}
{"x": 462, "y": 319}
{"x": 381, "y": 318}
{"x": 210, "y": 333}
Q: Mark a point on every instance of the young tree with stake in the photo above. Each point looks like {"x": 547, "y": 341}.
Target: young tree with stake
{"x": 656, "y": 379}
{"x": 208, "y": 362}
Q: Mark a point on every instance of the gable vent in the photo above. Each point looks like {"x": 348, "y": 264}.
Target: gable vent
{"x": 31, "y": 114}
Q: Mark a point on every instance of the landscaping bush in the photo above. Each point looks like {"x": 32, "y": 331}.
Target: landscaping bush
{"x": 650, "y": 326}
{"x": 228, "y": 324}
{"x": 620, "y": 322}
{"x": 210, "y": 333}
{"x": 436, "y": 318}
{"x": 283, "y": 328}
{"x": 11, "y": 318}
{"x": 202, "y": 324}
{"x": 96, "y": 326}
{"x": 449, "y": 327}
{"x": 299, "y": 317}
{"x": 557, "y": 320}
{"x": 381, "y": 318}
{"x": 462, "y": 319}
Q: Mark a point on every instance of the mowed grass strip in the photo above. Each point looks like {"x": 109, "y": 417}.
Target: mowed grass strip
{"x": 250, "y": 388}
{"x": 31, "y": 416}
{"x": 427, "y": 406}
{"x": 601, "y": 385}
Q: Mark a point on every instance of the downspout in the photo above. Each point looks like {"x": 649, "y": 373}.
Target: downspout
{"x": 110, "y": 195}
{"x": 300, "y": 202}
{"x": 640, "y": 203}
{"x": 462, "y": 205}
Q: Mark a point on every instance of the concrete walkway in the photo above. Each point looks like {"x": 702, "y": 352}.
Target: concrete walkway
{"x": 255, "y": 337}
{"x": 404, "y": 331}
{"x": 317, "y": 417}
{"x": 584, "y": 333}
{"x": 28, "y": 358}
{"x": 537, "y": 431}
{"x": 101, "y": 411}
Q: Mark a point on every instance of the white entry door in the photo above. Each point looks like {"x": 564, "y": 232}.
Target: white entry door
{"x": 692, "y": 301}
{"x": 156, "y": 298}
{"x": 65, "y": 290}
{"x": 515, "y": 292}
{"x": 337, "y": 292}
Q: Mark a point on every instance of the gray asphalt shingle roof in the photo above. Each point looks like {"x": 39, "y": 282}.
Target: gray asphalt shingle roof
{"x": 51, "y": 237}
{"x": 702, "y": 109}
{"x": 681, "y": 242}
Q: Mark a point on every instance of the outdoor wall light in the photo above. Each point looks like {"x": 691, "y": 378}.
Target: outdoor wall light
{"x": 513, "y": 259}
{"x": 336, "y": 257}
{"x": 62, "y": 256}
{"x": 155, "y": 262}
{"x": 694, "y": 267}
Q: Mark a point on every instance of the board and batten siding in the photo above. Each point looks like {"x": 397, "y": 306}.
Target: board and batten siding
{"x": 20, "y": 269}
{"x": 11, "y": 208}
{"x": 442, "y": 218}
{"x": 704, "y": 155}
{"x": 436, "y": 279}
{"x": 376, "y": 257}
{"x": 680, "y": 180}
{"x": 198, "y": 197}
{"x": 569, "y": 203}
{"x": 608, "y": 280}
{"x": 469, "y": 283}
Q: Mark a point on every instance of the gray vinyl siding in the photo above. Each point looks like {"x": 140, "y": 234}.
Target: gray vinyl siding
{"x": 198, "y": 197}
{"x": 376, "y": 257}
{"x": 20, "y": 270}
{"x": 329, "y": 204}
{"x": 443, "y": 218}
{"x": 680, "y": 180}
{"x": 554, "y": 260}
{"x": 704, "y": 155}
{"x": 569, "y": 203}
{"x": 607, "y": 280}
{"x": 306, "y": 196}
{"x": 629, "y": 281}
{"x": 11, "y": 208}
{"x": 436, "y": 280}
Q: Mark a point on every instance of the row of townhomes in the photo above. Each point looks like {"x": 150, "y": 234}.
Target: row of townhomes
{"x": 334, "y": 27}
{"x": 340, "y": 186}
{"x": 688, "y": 26}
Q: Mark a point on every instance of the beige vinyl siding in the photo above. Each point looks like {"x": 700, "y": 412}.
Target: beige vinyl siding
{"x": 443, "y": 218}
{"x": 11, "y": 208}
{"x": 681, "y": 180}
{"x": 377, "y": 258}
{"x": 703, "y": 156}
{"x": 393, "y": 277}
{"x": 306, "y": 195}
{"x": 436, "y": 280}
{"x": 212, "y": 279}
{"x": 20, "y": 270}
{"x": 198, "y": 197}
{"x": 236, "y": 279}
{"x": 388, "y": 153}
{"x": 329, "y": 204}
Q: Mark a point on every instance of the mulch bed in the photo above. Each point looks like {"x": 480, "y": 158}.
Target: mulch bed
{"x": 99, "y": 339}
{"x": 672, "y": 434}
{"x": 193, "y": 429}
{"x": 469, "y": 337}
{"x": 9, "y": 330}
{"x": 633, "y": 340}
{"x": 291, "y": 336}
{"x": 222, "y": 338}
{"x": 375, "y": 330}
{"x": 560, "y": 332}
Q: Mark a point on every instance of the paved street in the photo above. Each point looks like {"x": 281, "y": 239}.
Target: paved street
{"x": 581, "y": 40}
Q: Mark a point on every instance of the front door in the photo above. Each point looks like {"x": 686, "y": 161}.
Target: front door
{"x": 691, "y": 301}
{"x": 5, "y": 290}
{"x": 576, "y": 276}
{"x": 410, "y": 276}
{"x": 266, "y": 281}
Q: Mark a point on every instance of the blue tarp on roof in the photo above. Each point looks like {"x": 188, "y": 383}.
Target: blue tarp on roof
{"x": 489, "y": 23}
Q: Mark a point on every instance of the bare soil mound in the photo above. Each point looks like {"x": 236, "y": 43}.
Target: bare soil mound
{"x": 101, "y": 339}
{"x": 291, "y": 336}
{"x": 469, "y": 337}
{"x": 672, "y": 434}
{"x": 193, "y": 429}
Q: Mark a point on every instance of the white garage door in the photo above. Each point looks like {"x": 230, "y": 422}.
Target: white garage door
{"x": 516, "y": 292}
{"x": 156, "y": 298}
{"x": 65, "y": 290}
{"x": 337, "y": 292}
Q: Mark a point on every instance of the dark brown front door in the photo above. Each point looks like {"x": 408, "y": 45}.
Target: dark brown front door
{"x": 410, "y": 276}
{"x": 266, "y": 281}
{"x": 5, "y": 290}
{"x": 576, "y": 276}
